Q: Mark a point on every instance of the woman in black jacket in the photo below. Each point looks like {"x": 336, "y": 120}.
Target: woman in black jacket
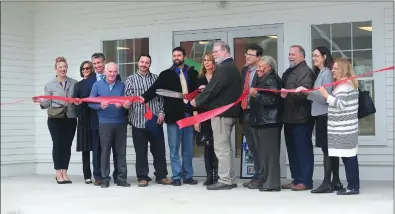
{"x": 84, "y": 139}
{"x": 204, "y": 130}
{"x": 265, "y": 122}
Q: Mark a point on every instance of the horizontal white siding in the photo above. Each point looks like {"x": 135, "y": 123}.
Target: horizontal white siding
{"x": 76, "y": 31}
{"x": 17, "y": 82}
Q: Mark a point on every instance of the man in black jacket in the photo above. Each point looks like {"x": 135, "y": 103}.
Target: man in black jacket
{"x": 224, "y": 88}
{"x": 179, "y": 78}
{"x": 298, "y": 125}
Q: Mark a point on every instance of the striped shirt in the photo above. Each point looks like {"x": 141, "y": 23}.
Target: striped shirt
{"x": 343, "y": 121}
{"x": 135, "y": 85}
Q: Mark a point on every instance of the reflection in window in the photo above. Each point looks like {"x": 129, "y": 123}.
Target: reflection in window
{"x": 354, "y": 42}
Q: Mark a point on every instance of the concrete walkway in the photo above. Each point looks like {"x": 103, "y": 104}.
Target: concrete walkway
{"x": 41, "y": 194}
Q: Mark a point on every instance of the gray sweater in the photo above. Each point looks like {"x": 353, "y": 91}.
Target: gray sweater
{"x": 319, "y": 105}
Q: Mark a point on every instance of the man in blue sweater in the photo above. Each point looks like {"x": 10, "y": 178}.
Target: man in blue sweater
{"x": 112, "y": 125}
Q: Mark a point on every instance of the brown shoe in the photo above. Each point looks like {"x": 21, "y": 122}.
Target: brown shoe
{"x": 287, "y": 186}
{"x": 300, "y": 187}
{"x": 164, "y": 181}
{"x": 142, "y": 183}
{"x": 97, "y": 183}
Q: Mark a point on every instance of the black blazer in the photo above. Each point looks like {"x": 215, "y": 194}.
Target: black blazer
{"x": 224, "y": 88}
{"x": 266, "y": 106}
{"x": 174, "y": 108}
{"x": 87, "y": 90}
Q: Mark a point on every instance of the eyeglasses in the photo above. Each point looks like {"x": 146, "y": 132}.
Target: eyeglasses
{"x": 247, "y": 54}
{"x": 86, "y": 68}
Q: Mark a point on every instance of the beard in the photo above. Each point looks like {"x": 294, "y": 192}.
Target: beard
{"x": 143, "y": 68}
{"x": 292, "y": 64}
{"x": 178, "y": 62}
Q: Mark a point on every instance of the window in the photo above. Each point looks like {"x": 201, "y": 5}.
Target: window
{"x": 354, "y": 42}
{"x": 125, "y": 53}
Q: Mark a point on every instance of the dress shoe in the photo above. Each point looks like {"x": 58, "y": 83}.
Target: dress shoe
{"x": 97, "y": 183}
{"x": 278, "y": 189}
{"x": 300, "y": 187}
{"x": 142, "y": 183}
{"x": 347, "y": 192}
{"x": 245, "y": 184}
{"x": 176, "y": 182}
{"x": 323, "y": 188}
{"x": 123, "y": 184}
{"x": 88, "y": 181}
{"x": 221, "y": 186}
{"x": 104, "y": 184}
{"x": 164, "y": 181}
{"x": 59, "y": 182}
{"x": 287, "y": 186}
{"x": 190, "y": 181}
{"x": 68, "y": 182}
{"x": 337, "y": 185}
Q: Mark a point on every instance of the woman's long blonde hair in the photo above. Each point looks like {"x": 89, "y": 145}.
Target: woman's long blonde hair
{"x": 203, "y": 71}
{"x": 346, "y": 70}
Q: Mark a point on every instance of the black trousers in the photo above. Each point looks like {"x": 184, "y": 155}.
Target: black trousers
{"x": 62, "y": 132}
{"x": 86, "y": 164}
{"x": 141, "y": 137}
{"x": 113, "y": 136}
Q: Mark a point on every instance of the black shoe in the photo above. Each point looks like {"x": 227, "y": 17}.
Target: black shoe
{"x": 123, "y": 184}
{"x": 221, "y": 186}
{"x": 245, "y": 184}
{"x": 115, "y": 181}
{"x": 104, "y": 184}
{"x": 190, "y": 181}
{"x": 60, "y": 182}
{"x": 177, "y": 182}
{"x": 256, "y": 184}
{"x": 323, "y": 188}
{"x": 347, "y": 192}
{"x": 337, "y": 185}
{"x": 209, "y": 180}
{"x": 278, "y": 189}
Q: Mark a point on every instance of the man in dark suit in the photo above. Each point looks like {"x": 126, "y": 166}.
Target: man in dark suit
{"x": 224, "y": 88}
{"x": 98, "y": 60}
{"x": 253, "y": 54}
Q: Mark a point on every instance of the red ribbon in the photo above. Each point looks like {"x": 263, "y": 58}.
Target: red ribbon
{"x": 110, "y": 100}
{"x": 212, "y": 113}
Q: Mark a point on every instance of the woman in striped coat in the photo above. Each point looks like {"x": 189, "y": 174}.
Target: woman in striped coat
{"x": 343, "y": 122}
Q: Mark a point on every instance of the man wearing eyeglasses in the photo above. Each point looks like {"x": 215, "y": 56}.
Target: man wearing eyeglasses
{"x": 253, "y": 54}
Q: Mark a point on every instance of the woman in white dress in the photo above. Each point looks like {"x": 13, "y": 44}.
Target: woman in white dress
{"x": 343, "y": 122}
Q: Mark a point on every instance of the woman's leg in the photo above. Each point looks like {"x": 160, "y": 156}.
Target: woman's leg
{"x": 352, "y": 173}
{"x": 336, "y": 183}
{"x": 208, "y": 164}
{"x": 55, "y": 130}
{"x": 69, "y": 128}
{"x": 326, "y": 186}
{"x": 86, "y": 165}
{"x": 270, "y": 154}
{"x": 215, "y": 164}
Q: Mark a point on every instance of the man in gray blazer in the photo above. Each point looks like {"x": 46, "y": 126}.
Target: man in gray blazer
{"x": 224, "y": 88}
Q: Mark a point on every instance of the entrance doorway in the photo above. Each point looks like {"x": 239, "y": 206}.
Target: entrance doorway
{"x": 197, "y": 43}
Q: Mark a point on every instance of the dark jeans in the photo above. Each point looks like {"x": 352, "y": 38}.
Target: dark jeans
{"x": 300, "y": 152}
{"x": 251, "y": 144}
{"x": 352, "y": 172}
{"x": 86, "y": 164}
{"x": 62, "y": 132}
{"x": 141, "y": 137}
{"x": 96, "y": 152}
{"x": 113, "y": 136}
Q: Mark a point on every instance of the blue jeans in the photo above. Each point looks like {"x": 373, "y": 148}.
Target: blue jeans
{"x": 300, "y": 152}
{"x": 177, "y": 138}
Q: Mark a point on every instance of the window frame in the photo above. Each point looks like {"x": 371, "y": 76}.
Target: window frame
{"x": 378, "y": 62}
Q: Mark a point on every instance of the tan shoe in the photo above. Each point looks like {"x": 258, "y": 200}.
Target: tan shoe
{"x": 164, "y": 181}
{"x": 287, "y": 186}
{"x": 300, "y": 187}
{"x": 142, "y": 183}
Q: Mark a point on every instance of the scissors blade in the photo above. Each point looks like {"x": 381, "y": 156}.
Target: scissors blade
{"x": 168, "y": 93}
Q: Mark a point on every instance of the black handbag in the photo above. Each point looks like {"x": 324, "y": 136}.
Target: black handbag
{"x": 366, "y": 106}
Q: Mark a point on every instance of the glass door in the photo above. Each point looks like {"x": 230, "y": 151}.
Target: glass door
{"x": 196, "y": 45}
{"x": 270, "y": 38}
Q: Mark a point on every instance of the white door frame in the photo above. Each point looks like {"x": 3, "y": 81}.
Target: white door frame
{"x": 228, "y": 35}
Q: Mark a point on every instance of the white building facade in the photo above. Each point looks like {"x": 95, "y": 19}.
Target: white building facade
{"x": 34, "y": 34}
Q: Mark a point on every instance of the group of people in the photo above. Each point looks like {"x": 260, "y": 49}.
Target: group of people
{"x": 102, "y": 127}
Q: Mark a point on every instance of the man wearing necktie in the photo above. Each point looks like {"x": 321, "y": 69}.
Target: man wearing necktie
{"x": 224, "y": 88}
{"x": 98, "y": 61}
{"x": 253, "y": 54}
{"x": 180, "y": 78}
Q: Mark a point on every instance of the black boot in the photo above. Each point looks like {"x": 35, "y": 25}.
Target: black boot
{"x": 209, "y": 166}
{"x": 336, "y": 184}
{"x": 326, "y": 186}
{"x": 215, "y": 168}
